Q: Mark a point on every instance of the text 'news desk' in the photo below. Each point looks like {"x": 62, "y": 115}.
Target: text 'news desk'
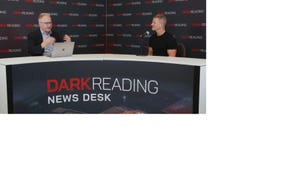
{"x": 103, "y": 83}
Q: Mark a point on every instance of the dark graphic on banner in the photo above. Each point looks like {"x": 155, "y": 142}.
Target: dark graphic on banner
{"x": 103, "y": 87}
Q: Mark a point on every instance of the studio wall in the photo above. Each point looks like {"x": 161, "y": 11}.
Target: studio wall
{"x": 127, "y": 20}
{"x": 104, "y": 26}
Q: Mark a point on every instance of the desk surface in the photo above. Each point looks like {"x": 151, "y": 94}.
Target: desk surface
{"x": 119, "y": 57}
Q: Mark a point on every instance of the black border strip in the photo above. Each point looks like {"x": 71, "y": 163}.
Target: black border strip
{"x": 9, "y": 89}
{"x": 196, "y": 90}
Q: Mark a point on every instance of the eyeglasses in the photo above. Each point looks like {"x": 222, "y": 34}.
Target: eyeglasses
{"x": 46, "y": 23}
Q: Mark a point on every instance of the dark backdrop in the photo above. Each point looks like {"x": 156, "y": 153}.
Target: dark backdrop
{"x": 104, "y": 26}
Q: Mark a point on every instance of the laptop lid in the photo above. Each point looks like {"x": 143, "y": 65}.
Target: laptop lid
{"x": 62, "y": 49}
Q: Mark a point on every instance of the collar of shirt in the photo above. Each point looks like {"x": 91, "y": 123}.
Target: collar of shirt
{"x": 45, "y": 34}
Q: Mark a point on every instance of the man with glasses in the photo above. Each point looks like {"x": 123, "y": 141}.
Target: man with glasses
{"x": 40, "y": 41}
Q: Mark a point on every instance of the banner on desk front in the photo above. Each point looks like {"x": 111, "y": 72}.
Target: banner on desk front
{"x": 103, "y": 87}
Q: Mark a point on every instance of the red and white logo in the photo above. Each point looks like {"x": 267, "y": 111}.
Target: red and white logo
{"x": 124, "y": 35}
{"x": 90, "y": 15}
{"x": 97, "y": 5}
{"x": 144, "y": 14}
{"x": 192, "y": 37}
{"x": 132, "y": 46}
{"x": 96, "y": 25}
{"x": 70, "y": 14}
{"x": 81, "y": 46}
{"x": 10, "y": 50}
{"x": 198, "y": 24}
{"x": 148, "y": 25}
{"x": 114, "y": 4}
{"x": 79, "y": 25}
{"x": 197, "y": 11}
{"x": 53, "y": 13}
{"x": 177, "y": 25}
{"x": 133, "y": 25}
{"x": 90, "y": 35}
{"x": 23, "y": 13}
{"x": 53, "y": 2}
{"x": 124, "y": 14}
{"x": 154, "y": 2}
{"x": 169, "y": 12}
{"x": 20, "y": 38}
{"x": 133, "y": 3}
{"x": 115, "y": 25}
{"x": 107, "y": 35}
{"x": 10, "y": 25}
{"x": 108, "y": 15}
{"x": 115, "y": 45}
{"x": 78, "y": 4}
{"x": 60, "y": 25}
{"x": 75, "y": 36}
{"x": 171, "y": 1}
{"x": 97, "y": 45}
{"x": 198, "y": 50}
{"x": 35, "y": 1}
{"x": 28, "y": 25}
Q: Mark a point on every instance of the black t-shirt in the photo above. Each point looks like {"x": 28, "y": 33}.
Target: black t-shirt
{"x": 160, "y": 44}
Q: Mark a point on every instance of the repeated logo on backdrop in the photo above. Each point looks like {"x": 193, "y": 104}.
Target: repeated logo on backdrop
{"x": 104, "y": 26}
{"x": 82, "y": 20}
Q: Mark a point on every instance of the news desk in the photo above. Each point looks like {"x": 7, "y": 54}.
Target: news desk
{"x": 103, "y": 83}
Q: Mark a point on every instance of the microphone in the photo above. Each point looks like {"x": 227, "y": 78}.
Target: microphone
{"x": 147, "y": 33}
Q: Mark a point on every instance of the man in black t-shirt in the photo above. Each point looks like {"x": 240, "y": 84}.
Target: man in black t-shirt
{"x": 161, "y": 43}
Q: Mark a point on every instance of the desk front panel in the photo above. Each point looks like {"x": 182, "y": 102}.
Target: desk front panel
{"x": 103, "y": 86}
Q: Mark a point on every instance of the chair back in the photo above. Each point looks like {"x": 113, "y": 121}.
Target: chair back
{"x": 181, "y": 51}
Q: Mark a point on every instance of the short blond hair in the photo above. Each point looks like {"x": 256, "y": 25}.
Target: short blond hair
{"x": 41, "y": 15}
{"x": 161, "y": 17}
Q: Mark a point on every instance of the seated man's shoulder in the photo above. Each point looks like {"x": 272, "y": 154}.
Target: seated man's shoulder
{"x": 34, "y": 32}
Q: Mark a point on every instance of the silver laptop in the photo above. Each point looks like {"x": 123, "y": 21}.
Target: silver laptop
{"x": 62, "y": 49}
